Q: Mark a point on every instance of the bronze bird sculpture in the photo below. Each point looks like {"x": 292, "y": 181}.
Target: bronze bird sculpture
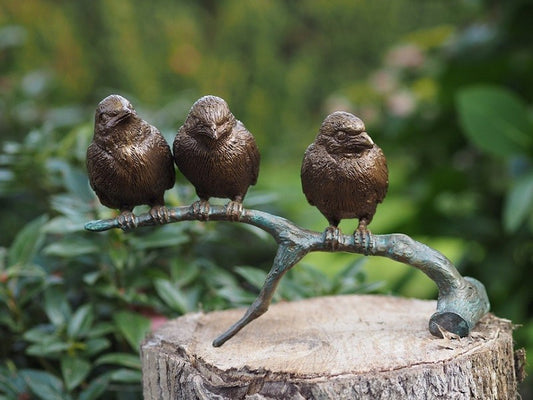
{"x": 344, "y": 174}
{"x": 217, "y": 154}
{"x": 129, "y": 162}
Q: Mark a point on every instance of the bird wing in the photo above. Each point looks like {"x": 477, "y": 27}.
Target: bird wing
{"x": 252, "y": 152}
{"x": 255, "y": 159}
{"x": 317, "y": 171}
{"x": 381, "y": 175}
{"x": 104, "y": 172}
{"x": 159, "y": 143}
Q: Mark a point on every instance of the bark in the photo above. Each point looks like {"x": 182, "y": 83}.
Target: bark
{"x": 356, "y": 347}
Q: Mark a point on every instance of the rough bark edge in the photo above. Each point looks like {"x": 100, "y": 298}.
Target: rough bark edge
{"x": 485, "y": 372}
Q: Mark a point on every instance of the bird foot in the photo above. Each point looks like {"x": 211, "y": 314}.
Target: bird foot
{"x": 333, "y": 237}
{"x": 160, "y": 214}
{"x": 201, "y": 209}
{"x": 126, "y": 221}
{"x": 234, "y": 210}
{"x": 362, "y": 237}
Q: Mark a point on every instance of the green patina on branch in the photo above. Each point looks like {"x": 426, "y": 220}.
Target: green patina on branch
{"x": 462, "y": 301}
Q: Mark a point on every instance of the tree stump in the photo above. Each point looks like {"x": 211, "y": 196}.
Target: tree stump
{"x": 340, "y": 347}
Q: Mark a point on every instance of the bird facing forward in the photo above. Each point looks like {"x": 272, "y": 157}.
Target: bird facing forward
{"x": 217, "y": 154}
{"x": 129, "y": 162}
{"x": 344, "y": 174}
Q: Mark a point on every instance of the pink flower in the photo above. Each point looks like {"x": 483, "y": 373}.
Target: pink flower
{"x": 383, "y": 81}
{"x": 401, "y": 103}
{"x": 405, "y": 56}
{"x": 156, "y": 321}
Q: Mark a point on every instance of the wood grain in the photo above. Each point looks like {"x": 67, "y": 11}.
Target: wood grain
{"x": 355, "y": 346}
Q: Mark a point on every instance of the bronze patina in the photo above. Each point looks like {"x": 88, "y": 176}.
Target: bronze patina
{"x": 217, "y": 154}
{"x": 342, "y": 163}
{"x": 344, "y": 173}
{"x": 129, "y": 162}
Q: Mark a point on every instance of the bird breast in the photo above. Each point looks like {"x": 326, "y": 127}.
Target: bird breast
{"x": 344, "y": 185}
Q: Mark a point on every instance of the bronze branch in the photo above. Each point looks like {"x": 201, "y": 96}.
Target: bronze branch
{"x": 462, "y": 301}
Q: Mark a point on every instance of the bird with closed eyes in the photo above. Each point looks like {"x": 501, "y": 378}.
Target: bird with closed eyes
{"x": 217, "y": 154}
{"x": 129, "y": 162}
{"x": 344, "y": 174}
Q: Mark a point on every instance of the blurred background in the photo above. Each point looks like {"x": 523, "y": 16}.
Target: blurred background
{"x": 444, "y": 87}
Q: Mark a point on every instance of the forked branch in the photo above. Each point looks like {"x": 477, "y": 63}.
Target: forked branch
{"x": 462, "y": 301}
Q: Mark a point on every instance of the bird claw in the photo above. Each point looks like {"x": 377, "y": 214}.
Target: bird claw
{"x": 160, "y": 214}
{"x": 201, "y": 209}
{"x": 127, "y": 221}
{"x": 234, "y": 210}
{"x": 333, "y": 237}
{"x": 362, "y": 237}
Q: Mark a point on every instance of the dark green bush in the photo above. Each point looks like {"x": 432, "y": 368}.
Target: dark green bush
{"x": 449, "y": 102}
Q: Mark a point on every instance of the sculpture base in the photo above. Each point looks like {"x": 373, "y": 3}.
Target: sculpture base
{"x": 363, "y": 347}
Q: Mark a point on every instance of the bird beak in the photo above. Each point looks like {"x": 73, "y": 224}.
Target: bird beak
{"x": 364, "y": 140}
{"x": 122, "y": 115}
{"x": 212, "y": 132}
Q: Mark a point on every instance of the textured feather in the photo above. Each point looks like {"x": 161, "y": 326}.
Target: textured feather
{"x": 344, "y": 184}
{"x": 224, "y": 167}
{"x": 129, "y": 164}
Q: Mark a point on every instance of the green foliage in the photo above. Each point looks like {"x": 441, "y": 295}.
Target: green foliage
{"x": 450, "y": 106}
{"x": 498, "y": 123}
{"x": 75, "y": 306}
{"x": 496, "y": 120}
{"x": 518, "y": 203}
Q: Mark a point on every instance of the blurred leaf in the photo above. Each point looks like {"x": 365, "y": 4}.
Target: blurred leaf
{"x": 39, "y": 334}
{"x": 26, "y": 270}
{"x": 11, "y": 382}
{"x": 172, "y": 296}
{"x": 30, "y": 291}
{"x": 77, "y": 183}
{"x": 81, "y": 321}
{"x": 73, "y": 246}
{"x": 100, "y": 329}
{"x": 123, "y": 359}
{"x": 52, "y": 348}
{"x": 65, "y": 115}
{"x": 12, "y": 36}
{"x": 119, "y": 255}
{"x": 96, "y": 388}
{"x": 235, "y": 295}
{"x": 74, "y": 371}
{"x": 91, "y": 277}
{"x": 518, "y": 203}
{"x": 44, "y": 385}
{"x": 133, "y": 327}
{"x": 495, "y": 119}
{"x": 352, "y": 279}
{"x": 27, "y": 242}
{"x": 126, "y": 376}
{"x": 8, "y": 321}
{"x": 253, "y": 276}
{"x": 62, "y": 225}
{"x": 56, "y": 306}
{"x": 165, "y": 236}
{"x": 70, "y": 206}
{"x": 96, "y": 345}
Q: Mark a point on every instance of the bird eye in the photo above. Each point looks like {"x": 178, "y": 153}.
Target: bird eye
{"x": 340, "y": 135}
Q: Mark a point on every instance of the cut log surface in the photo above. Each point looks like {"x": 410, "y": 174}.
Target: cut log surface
{"x": 341, "y": 347}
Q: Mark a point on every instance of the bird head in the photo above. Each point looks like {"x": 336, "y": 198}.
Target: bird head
{"x": 210, "y": 118}
{"x": 344, "y": 133}
{"x": 113, "y": 111}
